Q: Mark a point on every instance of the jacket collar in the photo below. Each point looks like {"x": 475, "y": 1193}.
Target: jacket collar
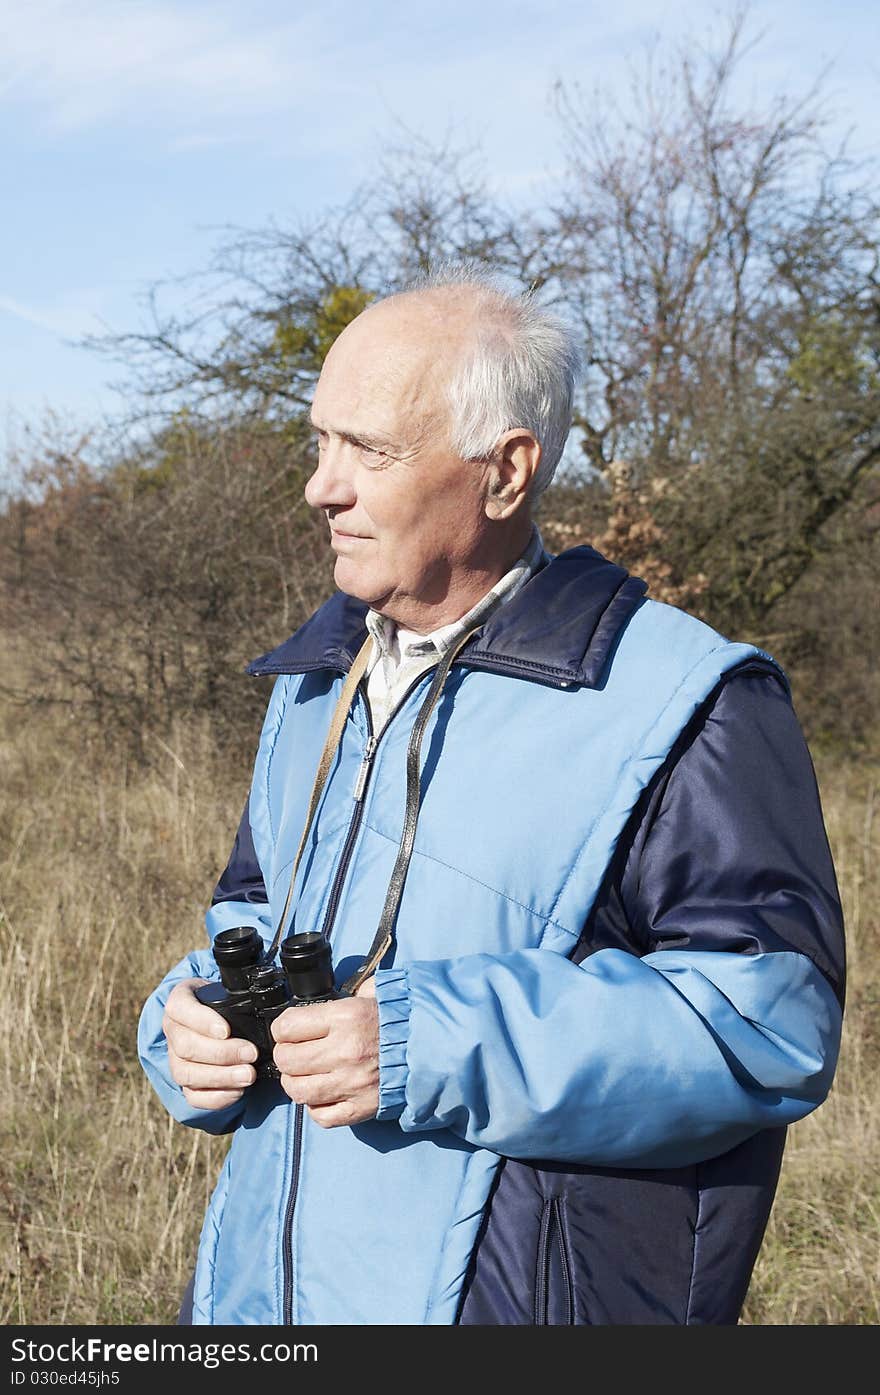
{"x": 560, "y": 629}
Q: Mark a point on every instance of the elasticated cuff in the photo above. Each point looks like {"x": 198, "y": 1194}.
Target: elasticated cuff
{"x": 392, "y": 998}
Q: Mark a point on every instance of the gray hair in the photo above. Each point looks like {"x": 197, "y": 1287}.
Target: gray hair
{"x": 522, "y": 370}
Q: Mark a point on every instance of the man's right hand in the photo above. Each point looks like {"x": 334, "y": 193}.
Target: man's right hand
{"x": 212, "y": 1068}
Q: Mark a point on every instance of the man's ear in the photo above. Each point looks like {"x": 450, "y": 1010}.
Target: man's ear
{"x": 510, "y": 473}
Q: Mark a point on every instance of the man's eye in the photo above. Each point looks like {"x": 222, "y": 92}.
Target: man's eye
{"x": 372, "y": 454}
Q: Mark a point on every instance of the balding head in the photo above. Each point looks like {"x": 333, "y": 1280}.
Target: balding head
{"x": 500, "y": 359}
{"x": 412, "y": 345}
{"x": 513, "y": 364}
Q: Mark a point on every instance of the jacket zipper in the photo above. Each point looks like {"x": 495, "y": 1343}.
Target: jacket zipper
{"x": 353, "y": 829}
{"x": 551, "y": 1230}
{"x": 360, "y": 789}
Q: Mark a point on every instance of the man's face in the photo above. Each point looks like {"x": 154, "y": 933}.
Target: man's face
{"x": 406, "y": 514}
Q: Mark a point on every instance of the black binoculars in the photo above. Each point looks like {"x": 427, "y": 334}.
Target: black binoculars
{"x": 252, "y": 992}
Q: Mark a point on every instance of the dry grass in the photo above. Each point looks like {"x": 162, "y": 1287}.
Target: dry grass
{"x": 105, "y": 874}
{"x": 820, "y": 1261}
{"x": 105, "y": 870}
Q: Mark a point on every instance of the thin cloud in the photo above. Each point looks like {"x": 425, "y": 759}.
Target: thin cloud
{"x": 190, "y": 64}
{"x": 68, "y": 317}
{"x": 82, "y": 65}
{"x": 195, "y": 141}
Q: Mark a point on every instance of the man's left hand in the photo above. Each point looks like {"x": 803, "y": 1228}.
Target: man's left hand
{"x": 328, "y": 1055}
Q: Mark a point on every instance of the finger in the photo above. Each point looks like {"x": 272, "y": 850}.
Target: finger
{"x": 196, "y": 1076}
{"x": 193, "y": 1046}
{"x": 211, "y": 1099}
{"x": 367, "y": 989}
{"x": 305, "y": 1023}
{"x": 306, "y": 1057}
{"x": 312, "y": 1089}
{"x": 346, "y": 1112}
{"x": 184, "y": 1007}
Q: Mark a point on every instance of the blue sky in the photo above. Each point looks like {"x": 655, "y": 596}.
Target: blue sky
{"x": 134, "y": 131}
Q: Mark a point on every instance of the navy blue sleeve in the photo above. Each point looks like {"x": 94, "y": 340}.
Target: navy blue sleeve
{"x": 704, "y": 1001}
{"x": 728, "y": 849}
{"x": 242, "y": 879}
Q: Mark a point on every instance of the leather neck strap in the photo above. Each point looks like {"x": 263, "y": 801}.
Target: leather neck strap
{"x": 385, "y": 932}
{"x": 332, "y": 740}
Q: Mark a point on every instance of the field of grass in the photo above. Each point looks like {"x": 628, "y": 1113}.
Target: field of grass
{"x": 105, "y": 869}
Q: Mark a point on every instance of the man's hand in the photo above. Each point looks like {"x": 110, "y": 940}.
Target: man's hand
{"x": 328, "y": 1055}
{"x": 212, "y": 1067}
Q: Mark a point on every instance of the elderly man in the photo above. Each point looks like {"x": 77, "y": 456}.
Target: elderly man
{"x": 567, "y": 849}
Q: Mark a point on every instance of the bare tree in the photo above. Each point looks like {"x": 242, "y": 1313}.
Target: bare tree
{"x": 724, "y": 269}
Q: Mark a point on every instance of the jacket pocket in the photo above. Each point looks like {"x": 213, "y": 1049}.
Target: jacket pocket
{"x": 554, "y": 1290}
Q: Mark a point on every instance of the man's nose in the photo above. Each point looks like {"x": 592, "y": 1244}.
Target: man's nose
{"x": 331, "y": 484}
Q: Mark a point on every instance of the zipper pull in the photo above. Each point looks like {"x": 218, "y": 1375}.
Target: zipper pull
{"x": 363, "y": 773}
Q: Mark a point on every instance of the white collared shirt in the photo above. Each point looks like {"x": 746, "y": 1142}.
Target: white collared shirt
{"x": 400, "y": 655}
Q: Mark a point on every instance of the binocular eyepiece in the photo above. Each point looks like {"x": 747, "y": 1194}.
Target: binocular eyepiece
{"x": 252, "y": 993}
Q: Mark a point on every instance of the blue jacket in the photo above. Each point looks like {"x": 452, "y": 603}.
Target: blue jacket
{"x": 617, "y": 976}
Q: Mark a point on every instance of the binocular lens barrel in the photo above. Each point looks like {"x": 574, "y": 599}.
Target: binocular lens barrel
{"x": 305, "y": 960}
{"x": 236, "y": 952}
{"x": 308, "y": 965}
